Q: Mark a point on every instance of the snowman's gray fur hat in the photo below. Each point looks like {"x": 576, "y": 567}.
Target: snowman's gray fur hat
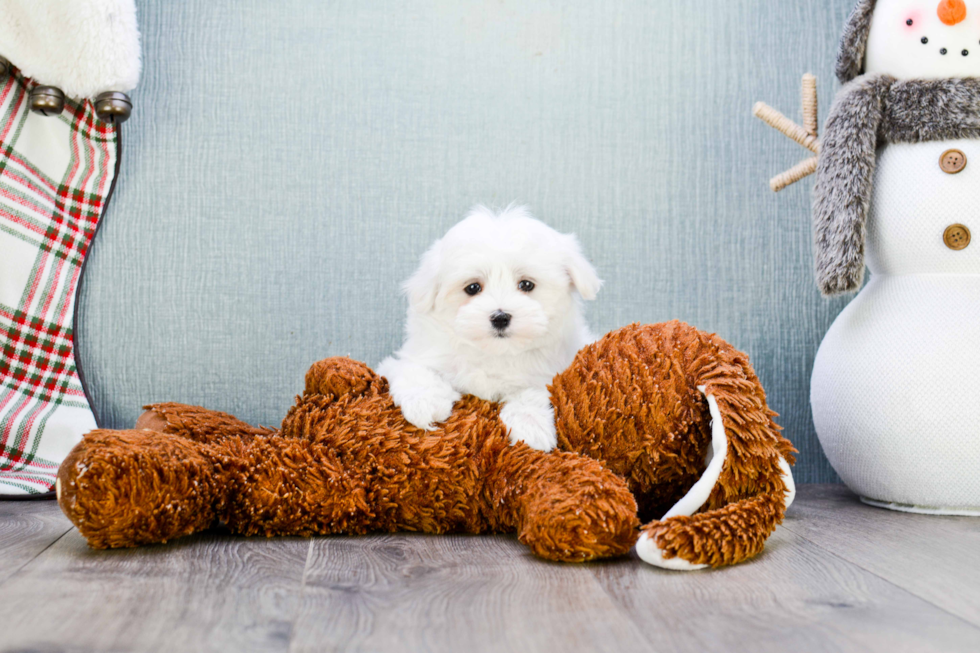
{"x": 850, "y": 56}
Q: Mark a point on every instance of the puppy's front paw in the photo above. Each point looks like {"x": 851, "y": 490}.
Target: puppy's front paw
{"x": 424, "y": 409}
{"x": 532, "y": 425}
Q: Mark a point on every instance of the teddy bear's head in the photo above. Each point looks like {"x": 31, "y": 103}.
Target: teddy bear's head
{"x": 912, "y": 39}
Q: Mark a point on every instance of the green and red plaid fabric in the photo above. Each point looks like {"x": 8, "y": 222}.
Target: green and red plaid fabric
{"x": 56, "y": 173}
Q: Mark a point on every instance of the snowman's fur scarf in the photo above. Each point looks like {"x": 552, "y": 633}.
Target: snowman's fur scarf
{"x": 842, "y": 192}
{"x": 850, "y": 57}
{"x": 869, "y": 111}
{"x": 919, "y": 111}
{"x": 83, "y": 47}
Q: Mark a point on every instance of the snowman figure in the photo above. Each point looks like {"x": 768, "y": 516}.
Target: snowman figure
{"x": 896, "y": 383}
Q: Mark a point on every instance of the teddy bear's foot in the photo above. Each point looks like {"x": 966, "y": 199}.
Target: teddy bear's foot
{"x": 151, "y": 420}
{"x": 195, "y": 423}
{"x": 125, "y": 488}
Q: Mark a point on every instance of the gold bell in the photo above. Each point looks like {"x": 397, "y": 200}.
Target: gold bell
{"x": 113, "y": 107}
{"x": 47, "y": 100}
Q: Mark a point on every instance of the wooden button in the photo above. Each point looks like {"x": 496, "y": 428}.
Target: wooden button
{"x": 952, "y": 161}
{"x": 957, "y": 237}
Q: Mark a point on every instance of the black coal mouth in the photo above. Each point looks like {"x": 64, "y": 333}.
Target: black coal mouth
{"x": 944, "y": 50}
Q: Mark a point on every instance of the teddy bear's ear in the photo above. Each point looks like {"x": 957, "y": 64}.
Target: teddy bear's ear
{"x": 583, "y": 276}
{"x": 422, "y": 287}
{"x": 854, "y": 42}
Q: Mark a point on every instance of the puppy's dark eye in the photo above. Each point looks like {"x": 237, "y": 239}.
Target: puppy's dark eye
{"x": 473, "y": 289}
{"x": 525, "y": 286}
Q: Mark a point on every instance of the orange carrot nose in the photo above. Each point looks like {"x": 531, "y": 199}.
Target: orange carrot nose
{"x": 952, "y": 12}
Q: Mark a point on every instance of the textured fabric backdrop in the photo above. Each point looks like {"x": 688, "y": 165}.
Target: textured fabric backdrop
{"x": 287, "y": 162}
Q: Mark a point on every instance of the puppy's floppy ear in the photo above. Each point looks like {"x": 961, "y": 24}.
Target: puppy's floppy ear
{"x": 584, "y": 277}
{"x": 422, "y": 287}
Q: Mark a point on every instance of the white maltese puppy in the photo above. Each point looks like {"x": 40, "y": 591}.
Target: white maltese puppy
{"x": 494, "y": 311}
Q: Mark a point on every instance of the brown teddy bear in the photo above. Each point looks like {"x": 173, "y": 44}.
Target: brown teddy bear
{"x": 661, "y": 423}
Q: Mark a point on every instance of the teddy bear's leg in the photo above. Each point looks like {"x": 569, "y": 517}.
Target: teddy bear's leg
{"x": 195, "y": 423}
{"x": 563, "y": 506}
{"x": 672, "y": 408}
{"x": 125, "y": 488}
{"x": 291, "y": 486}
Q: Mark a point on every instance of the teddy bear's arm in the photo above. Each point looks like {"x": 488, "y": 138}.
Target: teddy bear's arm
{"x": 564, "y": 506}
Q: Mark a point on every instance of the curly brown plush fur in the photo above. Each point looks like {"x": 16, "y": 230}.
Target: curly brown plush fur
{"x": 630, "y": 419}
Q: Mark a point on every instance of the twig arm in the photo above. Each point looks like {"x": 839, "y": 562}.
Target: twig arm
{"x": 810, "y": 108}
{"x": 807, "y": 135}
{"x": 781, "y": 123}
{"x": 800, "y": 171}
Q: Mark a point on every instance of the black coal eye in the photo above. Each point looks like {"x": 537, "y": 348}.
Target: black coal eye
{"x": 966, "y": 53}
{"x": 943, "y": 51}
{"x": 925, "y": 39}
{"x": 525, "y": 286}
{"x": 909, "y": 22}
{"x": 473, "y": 289}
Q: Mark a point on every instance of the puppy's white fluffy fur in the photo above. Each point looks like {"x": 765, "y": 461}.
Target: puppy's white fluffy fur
{"x": 452, "y": 346}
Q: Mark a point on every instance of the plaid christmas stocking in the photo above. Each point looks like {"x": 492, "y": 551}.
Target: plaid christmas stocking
{"x": 56, "y": 175}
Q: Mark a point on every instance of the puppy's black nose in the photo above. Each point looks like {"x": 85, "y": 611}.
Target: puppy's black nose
{"x": 500, "y": 320}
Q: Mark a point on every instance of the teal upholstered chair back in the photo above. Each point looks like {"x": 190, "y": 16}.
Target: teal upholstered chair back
{"x": 288, "y": 162}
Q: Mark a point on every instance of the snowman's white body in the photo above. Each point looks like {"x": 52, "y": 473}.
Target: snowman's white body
{"x": 896, "y": 383}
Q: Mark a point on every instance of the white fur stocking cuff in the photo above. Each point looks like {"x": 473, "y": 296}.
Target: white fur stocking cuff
{"x": 83, "y": 47}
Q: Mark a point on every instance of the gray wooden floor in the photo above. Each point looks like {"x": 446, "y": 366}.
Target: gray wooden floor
{"x": 838, "y": 576}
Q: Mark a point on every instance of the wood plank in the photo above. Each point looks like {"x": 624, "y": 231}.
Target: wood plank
{"x": 936, "y": 558}
{"x": 26, "y": 529}
{"x": 205, "y": 593}
{"x": 453, "y": 593}
{"x": 793, "y": 597}
{"x": 412, "y": 592}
